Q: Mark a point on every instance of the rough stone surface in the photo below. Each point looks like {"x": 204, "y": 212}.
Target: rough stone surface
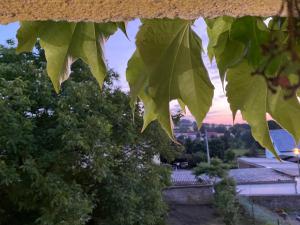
{"x": 123, "y": 10}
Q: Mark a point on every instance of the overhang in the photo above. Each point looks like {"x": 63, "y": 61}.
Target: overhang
{"x": 124, "y": 10}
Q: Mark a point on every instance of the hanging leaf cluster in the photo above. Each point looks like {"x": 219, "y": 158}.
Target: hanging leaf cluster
{"x": 65, "y": 42}
{"x": 167, "y": 65}
{"x": 238, "y": 47}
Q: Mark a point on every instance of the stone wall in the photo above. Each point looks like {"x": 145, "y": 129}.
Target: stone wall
{"x": 287, "y": 202}
{"x": 189, "y": 195}
{"x": 122, "y": 10}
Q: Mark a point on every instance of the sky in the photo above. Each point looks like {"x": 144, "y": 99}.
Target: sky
{"x": 119, "y": 49}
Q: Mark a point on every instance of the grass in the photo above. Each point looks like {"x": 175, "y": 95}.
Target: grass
{"x": 240, "y": 151}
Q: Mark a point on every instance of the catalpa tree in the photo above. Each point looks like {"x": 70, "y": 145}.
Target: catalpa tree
{"x": 258, "y": 60}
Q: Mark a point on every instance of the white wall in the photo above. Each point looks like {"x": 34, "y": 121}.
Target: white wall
{"x": 156, "y": 159}
{"x": 267, "y": 189}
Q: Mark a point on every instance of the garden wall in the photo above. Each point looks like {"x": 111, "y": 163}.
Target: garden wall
{"x": 189, "y": 195}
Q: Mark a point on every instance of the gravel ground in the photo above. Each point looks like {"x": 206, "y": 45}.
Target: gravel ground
{"x": 193, "y": 215}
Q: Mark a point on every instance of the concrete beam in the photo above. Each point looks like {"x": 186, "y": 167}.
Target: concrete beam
{"x": 124, "y": 10}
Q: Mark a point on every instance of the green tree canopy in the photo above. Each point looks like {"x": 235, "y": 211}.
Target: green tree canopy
{"x": 75, "y": 157}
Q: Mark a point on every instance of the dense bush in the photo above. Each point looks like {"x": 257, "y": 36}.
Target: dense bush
{"x": 215, "y": 169}
{"x": 226, "y": 201}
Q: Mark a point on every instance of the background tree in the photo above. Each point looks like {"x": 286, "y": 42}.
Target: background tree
{"x": 76, "y": 157}
{"x": 216, "y": 169}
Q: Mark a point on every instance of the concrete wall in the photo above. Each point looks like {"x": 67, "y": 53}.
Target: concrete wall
{"x": 267, "y": 189}
{"x": 287, "y": 202}
{"x": 189, "y": 195}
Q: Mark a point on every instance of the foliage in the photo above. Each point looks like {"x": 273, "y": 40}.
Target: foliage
{"x": 229, "y": 155}
{"x": 216, "y": 169}
{"x": 74, "y": 158}
{"x": 226, "y": 201}
{"x": 255, "y": 99}
{"x": 258, "y": 61}
{"x": 225, "y": 198}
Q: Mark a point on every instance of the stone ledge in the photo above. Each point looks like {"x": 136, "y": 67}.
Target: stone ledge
{"x": 124, "y": 10}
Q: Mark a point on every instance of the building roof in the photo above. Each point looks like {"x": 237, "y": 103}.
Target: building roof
{"x": 282, "y": 140}
{"x": 259, "y": 176}
{"x": 285, "y": 167}
{"x": 185, "y": 177}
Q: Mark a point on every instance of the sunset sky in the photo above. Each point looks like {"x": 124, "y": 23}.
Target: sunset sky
{"x": 119, "y": 49}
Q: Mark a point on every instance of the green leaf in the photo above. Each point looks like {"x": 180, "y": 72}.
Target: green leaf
{"x": 169, "y": 65}
{"x": 227, "y": 52}
{"x": 252, "y": 32}
{"x": 215, "y": 29}
{"x": 64, "y": 43}
{"x": 248, "y": 94}
{"x": 122, "y": 27}
{"x": 232, "y": 54}
{"x": 232, "y": 39}
{"x": 137, "y": 78}
{"x": 182, "y": 105}
{"x": 55, "y": 39}
{"x": 285, "y": 111}
{"x": 27, "y": 35}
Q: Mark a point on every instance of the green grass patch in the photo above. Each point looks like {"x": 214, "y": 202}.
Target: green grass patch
{"x": 240, "y": 151}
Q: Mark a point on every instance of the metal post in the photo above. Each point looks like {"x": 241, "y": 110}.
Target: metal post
{"x": 207, "y": 148}
{"x": 296, "y": 151}
{"x": 298, "y": 164}
{"x": 253, "y": 215}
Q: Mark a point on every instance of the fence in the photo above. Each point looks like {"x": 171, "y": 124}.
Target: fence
{"x": 261, "y": 215}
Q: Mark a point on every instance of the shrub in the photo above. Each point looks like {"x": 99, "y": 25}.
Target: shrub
{"x": 226, "y": 201}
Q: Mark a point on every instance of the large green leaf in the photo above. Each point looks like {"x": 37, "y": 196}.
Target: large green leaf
{"x": 232, "y": 53}
{"x": 167, "y": 66}
{"x": 227, "y": 52}
{"x": 27, "y": 35}
{"x": 285, "y": 111}
{"x": 215, "y": 30}
{"x": 64, "y": 43}
{"x": 137, "y": 78}
{"x": 233, "y": 39}
{"x": 250, "y": 94}
{"x": 252, "y": 32}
